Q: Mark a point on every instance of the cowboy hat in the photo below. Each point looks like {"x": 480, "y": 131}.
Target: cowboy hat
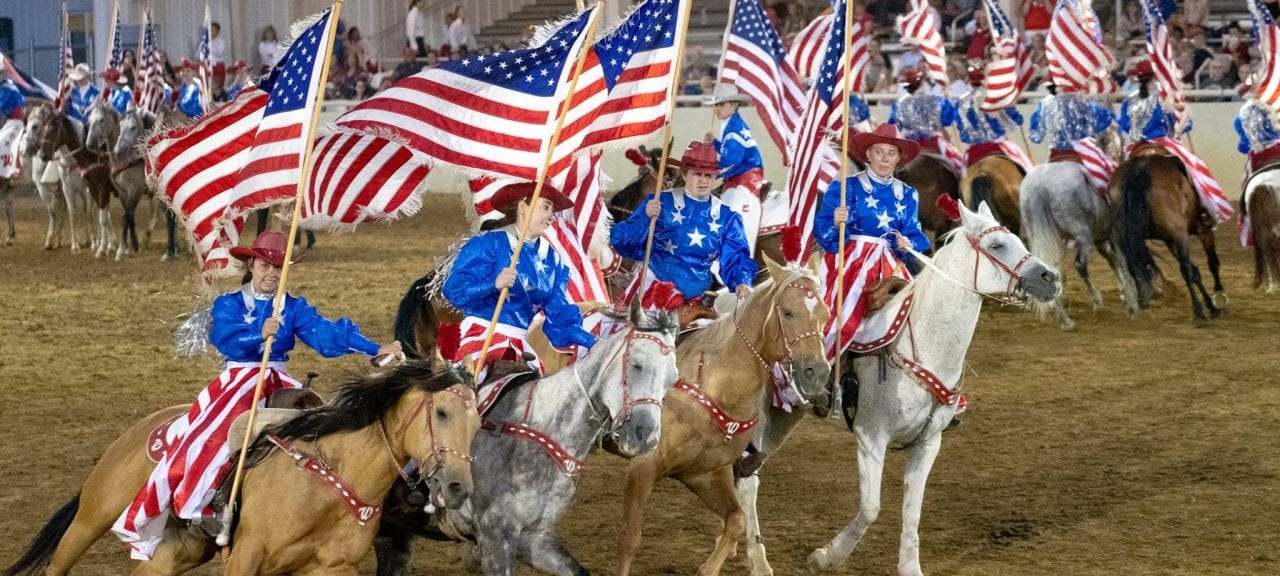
{"x": 186, "y": 63}
{"x": 977, "y": 75}
{"x": 698, "y": 157}
{"x": 506, "y": 198}
{"x": 912, "y": 75}
{"x": 1142, "y": 70}
{"x": 80, "y": 72}
{"x": 725, "y": 93}
{"x": 269, "y": 247}
{"x": 239, "y": 65}
{"x": 883, "y": 134}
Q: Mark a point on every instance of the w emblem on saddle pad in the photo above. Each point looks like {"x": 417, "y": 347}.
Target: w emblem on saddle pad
{"x": 365, "y": 513}
{"x": 158, "y": 440}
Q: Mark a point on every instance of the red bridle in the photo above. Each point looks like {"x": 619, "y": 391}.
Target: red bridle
{"x": 627, "y": 403}
{"x": 435, "y": 459}
{"x": 787, "y": 343}
{"x": 1014, "y": 273}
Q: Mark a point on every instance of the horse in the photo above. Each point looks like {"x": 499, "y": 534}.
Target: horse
{"x": 62, "y": 203}
{"x": 83, "y": 173}
{"x": 290, "y": 521}
{"x": 1261, "y": 200}
{"x": 1060, "y": 202}
{"x": 726, "y": 368}
{"x": 135, "y": 125}
{"x": 901, "y": 399}
{"x": 528, "y": 466}
{"x": 1156, "y": 200}
{"x": 106, "y": 135}
{"x": 932, "y": 177}
{"x": 995, "y": 180}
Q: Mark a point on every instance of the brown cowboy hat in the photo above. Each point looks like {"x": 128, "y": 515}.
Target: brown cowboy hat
{"x": 698, "y": 157}
{"x": 507, "y": 197}
{"x": 269, "y": 247}
{"x": 883, "y": 134}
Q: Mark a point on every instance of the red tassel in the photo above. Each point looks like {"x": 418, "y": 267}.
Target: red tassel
{"x": 662, "y": 296}
{"x": 636, "y": 157}
{"x": 791, "y": 244}
{"x": 448, "y": 339}
{"x": 949, "y": 207}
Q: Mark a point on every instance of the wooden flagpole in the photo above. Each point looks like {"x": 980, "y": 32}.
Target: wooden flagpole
{"x": 844, "y": 181}
{"x": 224, "y": 536}
{"x": 537, "y": 187}
{"x": 666, "y": 143}
{"x": 206, "y": 81}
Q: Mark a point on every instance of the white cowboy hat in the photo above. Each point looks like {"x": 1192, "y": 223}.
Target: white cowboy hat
{"x": 725, "y": 93}
{"x": 80, "y": 72}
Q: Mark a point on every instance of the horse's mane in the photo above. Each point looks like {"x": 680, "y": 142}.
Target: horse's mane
{"x": 719, "y": 336}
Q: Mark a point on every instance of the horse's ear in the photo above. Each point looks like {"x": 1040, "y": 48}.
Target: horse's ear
{"x": 985, "y": 210}
{"x": 776, "y": 271}
{"x": 636, "y": 314}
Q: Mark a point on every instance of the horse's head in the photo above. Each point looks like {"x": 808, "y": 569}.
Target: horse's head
{"x": 36, "y": 119}
{"x": 632, "y": 395}
{"x": 134, "y": 126}
{"x": 1003, "y": 267}
{"x": 104, "y": 127}
{"x": 794, "y": 316}
{"x": 52, "y": 132}
{"x": 435, "y": 423}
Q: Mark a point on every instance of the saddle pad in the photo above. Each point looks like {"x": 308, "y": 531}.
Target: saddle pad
{"x": 882, "y": 327}
{"x": 164, "y": 435}
{"x": 490, "y": 391}
{"x": 774, "y": 211}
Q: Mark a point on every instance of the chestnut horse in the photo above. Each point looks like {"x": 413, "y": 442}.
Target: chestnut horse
{"x": 931, "y": 178}
{"x": 995, "y": 180}
{"x": 289, "y": 521}
{"x": 1261, "y": 201}
{"x": 725, "y": 369}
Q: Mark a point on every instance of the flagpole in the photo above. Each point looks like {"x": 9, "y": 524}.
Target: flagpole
{"x": 844, "y": 182}
{"x": 666, "y": 144}
{"x": 537, "y": 187}
{"x": 206, "y": 78}
{"x": 224, "y": 536}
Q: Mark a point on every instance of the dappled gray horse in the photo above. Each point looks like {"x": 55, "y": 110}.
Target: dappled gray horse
{"x": 528, "y": 462}
{"x": 105, "y": 136}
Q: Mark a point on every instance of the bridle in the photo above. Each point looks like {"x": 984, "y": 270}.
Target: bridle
{"x": 1010, "y": 296}
{"x": 435, "y": 460}
{"x": 628, "y": 404}
{"x": 788, "y": 344}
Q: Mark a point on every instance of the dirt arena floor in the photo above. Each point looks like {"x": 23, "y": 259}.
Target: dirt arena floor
{"x": 1135, "y": 447}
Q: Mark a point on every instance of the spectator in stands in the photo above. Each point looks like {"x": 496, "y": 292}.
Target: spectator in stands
{"x": 361, "y": 89}
{"x": 353, "y": 72}
{"x": 218, "y": 54}
{"x": 1200, "y": 51}
{"x": 166, "y": 67}
{"x": 885, "y": 11}
{"x": 129, "y": 64}
{"x": 433, "y": 58}
{"x": 979, "y": 33}
{"x": 340, "y": 42}
{"x": 356, "y": 47}
{"x": 527, "y": 40}
{"x": 408, "y": 66}
{"x": 1036, "y": 16}
{"x": 268, "y": 48}
{"x": 878, "y": 72}
{"x": 860, "y": 14}
{"x": 1244, "y": 86}
{"x": 957, "y": 70}
{"x": 1195, "y": 16}
{"x": 414, "y": 32}
{"x": 1185, "y": 59}
{"x": 696, "y": 66}
{"x": 1131, "y": 24}
{"x": 460, "y": 36}
{"x": 1236, "y": 43}
{"x": 1217, "y": 74}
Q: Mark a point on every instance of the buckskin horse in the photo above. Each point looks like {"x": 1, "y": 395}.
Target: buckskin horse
{"x": 1261, "y": 200}
{"x": 996, "y": 180}
{"x": 910, "y": 372}
{"x": 290, "y": 520}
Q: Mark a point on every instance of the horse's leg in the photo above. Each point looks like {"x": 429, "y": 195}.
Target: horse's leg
{"x": 178, "y": 553}
{"x": 919, "y": 461}
{"x": 1084, "y": 245}
{"x": 499, "y": 541}
{"x": 776, "y": 431}
{"x": 171, "y": 229}
{"x": 244, "y": 560}
{"x": 1220, "y": 299}
{"x": 544, "y": 551}
{"x": 715, "y": 488}
{"x": 151, "y": 223}
{"x": 870, "y": 470}
{"x": 393, "y": 550}
{"x": 641, "y": 474}
{"x": 6, "y": 190}
{"x": 1181, "y": 250}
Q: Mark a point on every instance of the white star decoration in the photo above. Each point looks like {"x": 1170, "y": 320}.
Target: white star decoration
{"x": 670, "y": 247}
{"x": 695, "y": 238}
{"x": 677, "y": 217}
{"x": 899, "y": 207}
{"x": 715, "y": 227}
{"x": 540, "y": 266}
{"x": 885, "y": 219}
{"x": 873, "y": 203}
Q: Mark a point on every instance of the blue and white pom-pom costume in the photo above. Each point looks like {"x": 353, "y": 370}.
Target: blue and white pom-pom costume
{"x": 189, "y": 100}
{"x": 1255, "y": 124}
{"x": 986, "y": 132}
{"x": 121, "y": 98}
{"x": 12, "y": 117}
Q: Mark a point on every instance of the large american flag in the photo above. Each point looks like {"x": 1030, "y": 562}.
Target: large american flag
{"x": 67, "y": 60}
{"x": 1266, "y": 86}
{"x": 1009, "y": 70}
{"x": 150, "y": 89}
{"x": 196, "y": 168}
{"x": 805, "y": 54}
{"x": 1078, "y": 61}
{"x": 1162, "y": 60}
{"x": 920, "y": 28}
{"x": 274, "y": 166}
{"x": 204, "y": 61}
{"x": 756, "y": 63}
{"x": 814, "y": 163}
{"x": 358, "y": 177}
{"x": 115, "y": 59}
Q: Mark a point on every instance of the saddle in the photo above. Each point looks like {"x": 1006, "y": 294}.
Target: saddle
{"x": 879, "y": 294}
{"x": 1148, "y": 149}
{"x": 502, "y": 377}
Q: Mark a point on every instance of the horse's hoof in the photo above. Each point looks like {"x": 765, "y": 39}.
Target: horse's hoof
{"x": 1068, "y": 326}
{"x": 818, "y": 562}
{"x": 1221, "y": 300}
{"x": 49, "y": 247}
{"x": 166, "y": 257}
{"x": 765, "y": 571}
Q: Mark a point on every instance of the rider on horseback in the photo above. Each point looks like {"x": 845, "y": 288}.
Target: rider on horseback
{"x": 241, "y": 81}
{"x": 121, "y": 94}
{"x": 694, "y": 231}
{"x": 921, "y": 116}
{"x": 740, "y": 164}
{"x": 189, "y": 101}
{"x": 194, "y": 463}
{"x": 537, "y": 283}
{"x": 985, "y": 132}
{"x": 82, "y": 96}
{"x": 1259, "y": 135}
{"x": 1065, "y": 119}
{"x": 13, "y": 111}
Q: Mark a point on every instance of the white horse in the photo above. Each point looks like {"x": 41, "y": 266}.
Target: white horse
{"x": 981, "y": 260}
{"x": 62, "y": 203}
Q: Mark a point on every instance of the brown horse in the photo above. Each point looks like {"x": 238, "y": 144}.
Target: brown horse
{"x": 289, "y": 521}
{"x": 1261, "y": 201}
{"x": 1156, "y": 201}
{"x": 931, "y": 178}
{"x": 995, "y": 180}
{"x": 706, "y": 419}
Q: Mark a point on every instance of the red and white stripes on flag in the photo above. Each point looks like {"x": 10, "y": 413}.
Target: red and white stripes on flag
{"x": 150, "y": 89}
{"x": 357, "y": 177}
{"x": 1162, "y": 62}
{"x": 1266, "y": 87}
{"x": 867, "y": 260}
{"x": 1078, "y": 61}
{"x": 920, "y": 28}
{"x": 1211, "y": 196}
{"x": 1016, "y": 153}
{"x": 1097, "y": 163}
{"x": 196, "y": 168}
{"x": 809, "y": 46}
{"x": 583, "y": 183}
{"x": 1009, "y": 70}
{"x": 67, "y": 61}
{"x": 756, "y": 62}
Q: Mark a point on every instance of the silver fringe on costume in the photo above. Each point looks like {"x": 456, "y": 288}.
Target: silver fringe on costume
{"x": 1140, "y": 112}
{"x": 918, "y": 115}
{"x": 1255, "y": 118}
{"x": 1064, "y": 119}
{"x": 976, "y": 123}
{"x": 191, "y": 338}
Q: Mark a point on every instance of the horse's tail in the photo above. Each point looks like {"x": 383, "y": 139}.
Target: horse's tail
{"x": 1129, "y": 229}
{"x": 983, "y": 189}
{"x": 1040, "y": 229}
{"x": 1264, "y": 215}
{"x": 40, "y": 552}
{"x": 412, "y": 305}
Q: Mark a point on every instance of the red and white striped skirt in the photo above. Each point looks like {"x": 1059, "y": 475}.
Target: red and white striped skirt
{"x": 508, "y": 343}
{"x": 867, "y": 260}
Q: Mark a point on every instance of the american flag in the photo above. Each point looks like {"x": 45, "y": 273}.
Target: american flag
{"x": 756, "y": 62}
{"x": 274, "y": 166}
{"x": 357, "y": 177}
{"x": 28, "y": 85}
{"x": 204, "y": 61}
{"x": 150, "y": 90}
{"x": 583, "y": 183}
{"x": 1009, "y": 70}
{"x": 920, "y": 28}
{"x": 1266, "y": 87}
{"x": 67, "y": 60}
{"x": 197, "y": 167}
{"x": 1162, "y": 60}
{"x": 807, "y": 48}
{"x": 115, "y": 60}
{"x": 1078, "y": 61}
{"x": 814, "y": 163}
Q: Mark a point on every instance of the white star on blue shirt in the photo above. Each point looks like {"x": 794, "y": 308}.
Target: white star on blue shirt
{"x": 677, "y": 217}
{"x": 899, "y": 207}
{"x": 695, "y": 238}
{"x": 873, "y": 202}
{"x": 885, "y": 219}
{"x": 670, "y": 247}
{"x": 715, "y": 226}
{"x": 540, "y": 266}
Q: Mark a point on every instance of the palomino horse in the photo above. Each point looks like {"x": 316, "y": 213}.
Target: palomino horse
{"x": 995, "y": 180}
{"x": 1060, "y": 203}
{"x": 1156, "y": 200}
{"x": 931, "y": 177}
{"x": 726, "y": 368}
{"x": 894, "y": 407}
{"x": 1261, "y": 200}
{"x": 527, "y": 468}
{"x": 64, "y": 204}
{"x": 290, "y": 521}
